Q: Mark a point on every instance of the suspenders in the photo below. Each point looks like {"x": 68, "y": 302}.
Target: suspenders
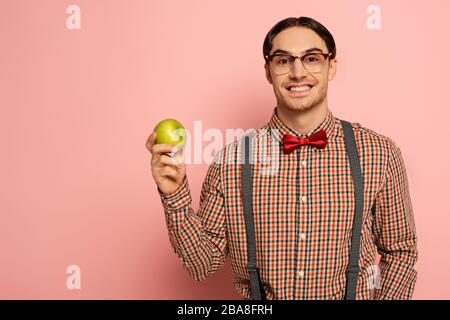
{"x": 358, "y": 186}
{"x": 256, "y": 288}
{"x": 257, "y": 291}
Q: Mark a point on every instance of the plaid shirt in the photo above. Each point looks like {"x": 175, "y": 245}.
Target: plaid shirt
{"x": 303, "y": 207}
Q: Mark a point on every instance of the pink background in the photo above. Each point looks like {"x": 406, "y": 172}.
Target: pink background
{"x": 77, "y": 107}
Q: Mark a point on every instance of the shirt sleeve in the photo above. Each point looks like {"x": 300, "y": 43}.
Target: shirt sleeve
{"x": 199, "y": 239}
{"x": 395, "y": 232}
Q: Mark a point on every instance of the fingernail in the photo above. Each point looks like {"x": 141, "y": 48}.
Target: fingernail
{"x": 174, "y": 149}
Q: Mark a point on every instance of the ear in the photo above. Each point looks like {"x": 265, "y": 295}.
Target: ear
{"x": 268, "y": 76}
{"x": 332, "y": 69}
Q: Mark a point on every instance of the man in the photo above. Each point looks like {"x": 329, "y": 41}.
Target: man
{"x": 303, "y": 211}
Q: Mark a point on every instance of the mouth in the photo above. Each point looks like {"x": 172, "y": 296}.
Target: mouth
{"x": 299, "y": 91}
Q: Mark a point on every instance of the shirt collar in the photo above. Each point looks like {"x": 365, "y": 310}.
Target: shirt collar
{"x": 279, "y": 129}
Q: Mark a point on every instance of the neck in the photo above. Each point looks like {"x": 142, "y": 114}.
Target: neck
{"x": 303, "y": 121}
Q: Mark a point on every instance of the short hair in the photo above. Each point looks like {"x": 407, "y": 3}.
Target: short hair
{"x": 305, "y": 22}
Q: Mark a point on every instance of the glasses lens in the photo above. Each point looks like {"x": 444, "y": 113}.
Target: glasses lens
{"x": 281, "y": 64}
{"x": 312, "y": 62}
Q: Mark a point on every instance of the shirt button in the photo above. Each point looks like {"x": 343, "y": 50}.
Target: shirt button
{"x": 304, "y": 163}
{"x": 300, "y": 274}
{"x": 303, "y": 236}
{"x": 303, "y": 198}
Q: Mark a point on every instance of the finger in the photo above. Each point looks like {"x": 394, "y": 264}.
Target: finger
{"x": 178, "y": 157}
{"x": 169, "y": 172}
{"x": 151, "y": 141}
{"x": 159, "y": 149}
{"x": 165, "y": 160}
{"x": 179, "y": 149}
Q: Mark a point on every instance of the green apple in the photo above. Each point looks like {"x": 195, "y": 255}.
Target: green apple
{"x": 170, "y": 131}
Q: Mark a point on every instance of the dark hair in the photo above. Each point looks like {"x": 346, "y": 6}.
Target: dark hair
{"x": 305, "y": 22}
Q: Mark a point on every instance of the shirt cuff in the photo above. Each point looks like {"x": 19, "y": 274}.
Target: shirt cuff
{"x": 178, "y": 199}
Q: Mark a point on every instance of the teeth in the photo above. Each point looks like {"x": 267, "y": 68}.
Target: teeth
{"x": 299, "y": 88}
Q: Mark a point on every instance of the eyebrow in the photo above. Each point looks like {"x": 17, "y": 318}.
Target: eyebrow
{"x": 304, "y": 52}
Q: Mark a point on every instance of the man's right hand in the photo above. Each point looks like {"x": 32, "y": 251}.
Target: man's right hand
{"x": 168, "y": 170}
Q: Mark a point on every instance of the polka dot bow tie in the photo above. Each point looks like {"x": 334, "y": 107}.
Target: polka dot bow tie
{"x": 318, "y": 140}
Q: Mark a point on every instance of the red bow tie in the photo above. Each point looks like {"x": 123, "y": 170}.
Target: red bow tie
{"x": 318, "y": 140}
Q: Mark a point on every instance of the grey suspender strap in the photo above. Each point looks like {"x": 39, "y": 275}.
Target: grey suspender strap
{"x": 247, "y": 193}
{"x": 358, "y": 186}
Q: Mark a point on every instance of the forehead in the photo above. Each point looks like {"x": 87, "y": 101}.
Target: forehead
{"x": 297, "y": 39}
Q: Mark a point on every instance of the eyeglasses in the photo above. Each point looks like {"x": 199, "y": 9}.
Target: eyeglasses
{"x": 312, "y": 62}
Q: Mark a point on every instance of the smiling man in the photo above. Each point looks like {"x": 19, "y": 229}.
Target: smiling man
{"x": 310, "y": 229}
{"x": 300, "y": 85}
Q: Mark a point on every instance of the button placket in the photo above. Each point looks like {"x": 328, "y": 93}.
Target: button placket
{"x": 303, "y": 154}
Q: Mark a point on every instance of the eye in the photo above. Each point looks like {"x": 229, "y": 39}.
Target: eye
{"x": 281, "y": 60}
{"x": 312, "y": 58}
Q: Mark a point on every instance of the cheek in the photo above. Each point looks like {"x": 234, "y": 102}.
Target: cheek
{"x": 277, "y": 85}
{"x": 282, "y": 91}
{"x": 322, "y": 83}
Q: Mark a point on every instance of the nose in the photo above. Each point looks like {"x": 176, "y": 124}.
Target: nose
{"x": 297, "y": 70}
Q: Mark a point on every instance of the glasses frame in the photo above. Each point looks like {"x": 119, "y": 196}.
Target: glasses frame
{"x": 270, "y": 57}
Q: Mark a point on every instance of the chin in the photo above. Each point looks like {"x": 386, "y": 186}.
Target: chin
{"x": 299, "y": 106}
